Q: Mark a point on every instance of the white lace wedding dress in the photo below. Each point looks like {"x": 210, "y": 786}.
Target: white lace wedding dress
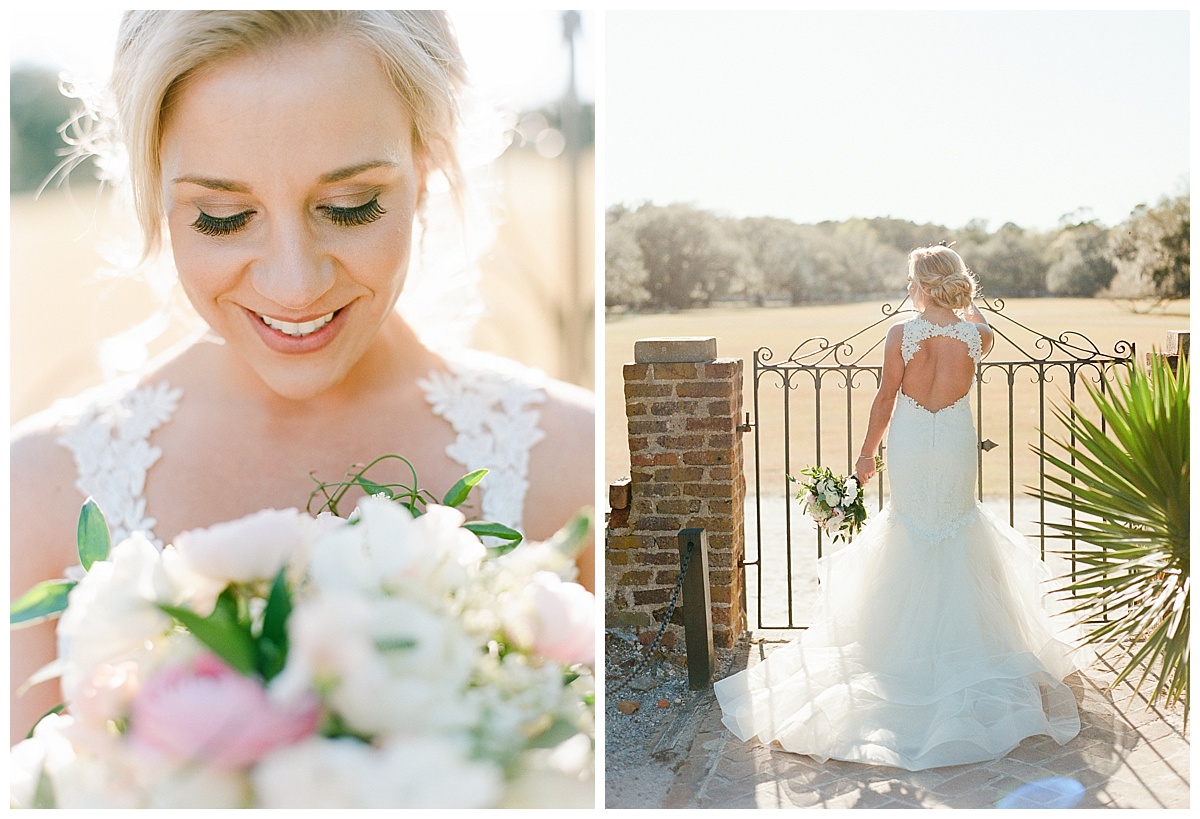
{"x": 491, "y": 402}
{"x": 930, "y": 645}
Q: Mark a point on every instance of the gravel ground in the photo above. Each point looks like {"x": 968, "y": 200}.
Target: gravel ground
{"x": 643, "y": 749}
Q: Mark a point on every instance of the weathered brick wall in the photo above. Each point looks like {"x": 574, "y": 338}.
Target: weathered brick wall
{"x": 686, "y": 470}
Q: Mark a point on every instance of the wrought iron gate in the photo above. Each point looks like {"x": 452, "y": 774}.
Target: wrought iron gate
{"x": 1010, "y": 402}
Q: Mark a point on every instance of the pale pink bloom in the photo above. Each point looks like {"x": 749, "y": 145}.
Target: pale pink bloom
{"x": 564, "y": 619}
{"x": 105, "y": 694}
{"x": 252, "y": 548}
{"x": 206, "y": 712}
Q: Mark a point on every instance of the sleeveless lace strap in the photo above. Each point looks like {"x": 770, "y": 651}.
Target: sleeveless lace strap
{"x": 492, "y": 405}
{"x": 110, "y": 442}
{"x": 919, "y": 329}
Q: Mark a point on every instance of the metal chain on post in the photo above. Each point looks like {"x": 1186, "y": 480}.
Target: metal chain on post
{"x": 663, "y": 627}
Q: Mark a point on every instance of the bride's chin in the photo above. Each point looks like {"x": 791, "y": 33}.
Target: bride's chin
{"x": 300, "y": 383}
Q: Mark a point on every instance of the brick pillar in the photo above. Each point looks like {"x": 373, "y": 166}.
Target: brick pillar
{"x": 683, "y": 405}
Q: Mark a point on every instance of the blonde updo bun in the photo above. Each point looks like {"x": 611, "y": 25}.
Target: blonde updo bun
{"x": 943, "y": 277}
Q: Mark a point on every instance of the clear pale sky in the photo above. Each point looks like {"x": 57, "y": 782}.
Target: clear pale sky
{"x": 928, "y": 116}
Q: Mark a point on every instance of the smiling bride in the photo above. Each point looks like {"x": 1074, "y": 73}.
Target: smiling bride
{"x": 287, "y": 155}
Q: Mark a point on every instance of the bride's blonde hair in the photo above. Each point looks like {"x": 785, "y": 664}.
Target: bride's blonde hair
{"x": 943, "y": 276}
{"x": 158, "y": 50}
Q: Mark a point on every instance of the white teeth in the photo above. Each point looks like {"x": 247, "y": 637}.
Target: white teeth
{"x": 296, "y": 330}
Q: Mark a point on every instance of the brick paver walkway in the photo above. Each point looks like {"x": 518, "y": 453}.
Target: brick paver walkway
{"x": 1125, "y": 757}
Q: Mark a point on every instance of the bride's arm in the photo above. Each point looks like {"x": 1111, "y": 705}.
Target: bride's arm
{"x": 973, "y": 315}
{"x": 44, "y": 509}
{"x": 881, "y": 408}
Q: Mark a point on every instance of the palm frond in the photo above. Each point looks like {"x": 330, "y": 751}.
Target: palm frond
{"x": 1125, "y": 480}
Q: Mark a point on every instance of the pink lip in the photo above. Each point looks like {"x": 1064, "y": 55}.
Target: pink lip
{"x": 288, "y": 345}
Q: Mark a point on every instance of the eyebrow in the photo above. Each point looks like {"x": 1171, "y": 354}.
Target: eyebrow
{"x": 239, "y": 187}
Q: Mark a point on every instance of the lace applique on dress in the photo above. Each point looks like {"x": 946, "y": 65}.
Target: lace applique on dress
{"x": 110, "y": 441}
{"x": 919, "y": 329}
{"x": 491, "y": 403}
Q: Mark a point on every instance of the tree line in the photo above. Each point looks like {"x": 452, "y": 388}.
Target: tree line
{"x": 670, "y": 257}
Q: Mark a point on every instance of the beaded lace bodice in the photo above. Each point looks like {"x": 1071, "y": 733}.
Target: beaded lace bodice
{"x": 491, "y": 403}
{"x": 933, "y": 455}
{"x": 918, "y": 329}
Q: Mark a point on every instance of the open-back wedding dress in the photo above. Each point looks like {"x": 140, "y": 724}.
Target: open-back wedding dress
{"x": 930, "y": 645}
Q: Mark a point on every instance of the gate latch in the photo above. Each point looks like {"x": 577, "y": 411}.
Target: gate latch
{"x": 747, "y": 426}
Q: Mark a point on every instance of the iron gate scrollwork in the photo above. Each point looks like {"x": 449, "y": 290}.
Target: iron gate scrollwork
{"x": 1010, "y": 397}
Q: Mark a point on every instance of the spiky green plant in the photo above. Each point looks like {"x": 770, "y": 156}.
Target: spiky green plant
{"x": 1128, "y": 487}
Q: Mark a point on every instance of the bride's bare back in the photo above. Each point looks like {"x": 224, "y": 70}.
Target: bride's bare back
{"x": 939, "y": 373}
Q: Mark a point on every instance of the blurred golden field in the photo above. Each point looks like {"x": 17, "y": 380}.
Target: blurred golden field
{"x": 739, "y": 331}
{"x": 62, "y": 311}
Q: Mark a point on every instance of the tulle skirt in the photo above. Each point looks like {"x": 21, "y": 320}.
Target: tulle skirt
{"x": 925, "y": 651}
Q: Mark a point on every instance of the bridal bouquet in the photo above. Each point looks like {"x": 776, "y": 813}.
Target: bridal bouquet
{"x": 391, "y": 659}
{"x": 835, "y": 503}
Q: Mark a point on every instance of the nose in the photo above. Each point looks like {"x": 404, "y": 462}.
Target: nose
{"x": 292, "y": 271}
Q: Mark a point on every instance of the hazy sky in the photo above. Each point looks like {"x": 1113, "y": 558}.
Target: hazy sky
{"x": 516, "y": 56}
{"x": 929, "y": 116}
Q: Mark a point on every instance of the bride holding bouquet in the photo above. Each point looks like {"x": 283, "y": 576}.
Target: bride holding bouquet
{"x": 930, "y": 644}
{"x": 287, "y": 156}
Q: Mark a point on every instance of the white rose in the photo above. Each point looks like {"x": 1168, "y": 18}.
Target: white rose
{"x": 252, "y": 548}
{"x": 112, "y": 615}
{"x": 389, "y": 548}
{"x": 559, "y": 777}
{"x": 389, "y": 664}
{"x": 25, "y": 762}
{"x": 559, "y": 621}
{"x": 410, "y": 772}
{"x": 196, "y": 786}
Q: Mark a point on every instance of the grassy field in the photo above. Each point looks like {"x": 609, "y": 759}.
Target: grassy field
{"x": 740, "y": 331}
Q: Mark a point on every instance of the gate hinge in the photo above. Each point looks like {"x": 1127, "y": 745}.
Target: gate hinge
{"x": 746, "y": 427}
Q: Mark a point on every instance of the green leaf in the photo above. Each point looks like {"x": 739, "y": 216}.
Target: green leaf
{"x": 372, "y": 488}
{"x": 570, "y": 539}
{"x": 91, "y": 535}
{"x": 43, "y": 795}
{"x": 272, "y": 646}
{"x": 459, "y": 492}
{"x": 511, "y": 537}
{"x": 43, "y": 602}
{"x": 559, "y": 731}
{"x": 222, "y": 631}
{"x": 58, "y": 709}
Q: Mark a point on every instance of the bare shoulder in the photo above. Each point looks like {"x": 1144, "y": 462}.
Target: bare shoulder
{"x": 569, "y": 411}
{"x": 562, "y": 466}
{"x": 44, "y": 503}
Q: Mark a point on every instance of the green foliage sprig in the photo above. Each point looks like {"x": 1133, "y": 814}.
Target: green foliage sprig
{"x": 411, "y": 496}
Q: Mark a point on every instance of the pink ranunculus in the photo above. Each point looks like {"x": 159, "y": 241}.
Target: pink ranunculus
{"x": 565, "y": 615}
{"x": 252, "y": 548}
{"x": 207, "y": 712}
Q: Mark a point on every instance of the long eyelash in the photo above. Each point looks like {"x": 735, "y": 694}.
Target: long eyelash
{"x": 361, "y": 215}
{"x": 221, "y": 225}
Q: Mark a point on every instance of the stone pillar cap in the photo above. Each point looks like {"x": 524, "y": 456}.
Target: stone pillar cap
{"x": 678, "y": 350}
